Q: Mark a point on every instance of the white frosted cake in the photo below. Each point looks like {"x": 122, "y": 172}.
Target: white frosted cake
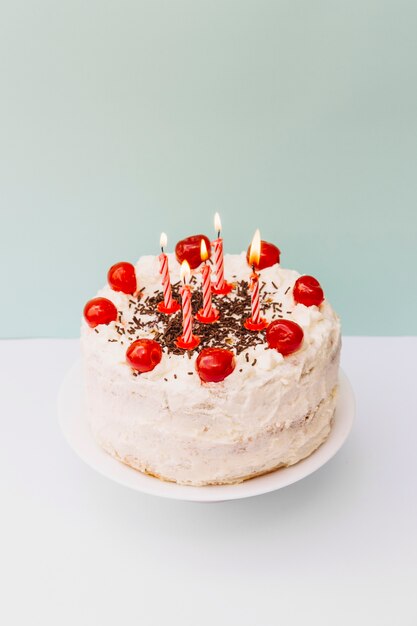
{"x": 270, "y": 410}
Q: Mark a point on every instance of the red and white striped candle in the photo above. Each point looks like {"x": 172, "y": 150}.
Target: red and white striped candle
{"x": 218, "y": 255}
{"x": 255, "y": 302}
{"x": 208, "y": 314}
{"x": 164, "y": 271}
{"x": 187, "y": 318}
{"x": 207, "y": 306}
{"x": 220, "y": 287}
{"x": 206, "y": 271}
{"x": 255, "y": 322}
{"x": 187, "y": 341}
{"x": 168, "y": 305}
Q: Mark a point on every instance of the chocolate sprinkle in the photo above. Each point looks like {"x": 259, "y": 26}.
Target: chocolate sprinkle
{"x": 228, "y": 332}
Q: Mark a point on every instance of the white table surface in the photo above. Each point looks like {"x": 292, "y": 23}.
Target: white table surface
{"x": 337, "y": 548}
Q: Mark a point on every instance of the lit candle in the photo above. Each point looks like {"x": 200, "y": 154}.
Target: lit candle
{"x": 221, "y": 287}
{"x": 208, "y": 314}
{"x": 255, "y": 322}
{"x": 169, "y": 305}
{"x": 187, "y": 340}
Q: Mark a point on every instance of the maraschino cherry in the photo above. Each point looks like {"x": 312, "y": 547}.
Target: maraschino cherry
{"x": 188, "y": 249}
{"x": 215, "y": 364}
{"x": 307, "y": 290}
{"x": 99, "y": 311}
{"x": 270, "y": 255}
{"x": 285, "y": 336}
{"x": 122, "y": 277}
{"x": 144, "y": 354}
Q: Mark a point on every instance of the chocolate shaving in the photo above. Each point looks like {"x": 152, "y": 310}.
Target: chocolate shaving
{"x": 228, "y": 332}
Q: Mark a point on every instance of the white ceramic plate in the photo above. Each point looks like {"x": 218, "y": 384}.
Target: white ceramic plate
{"x": 77, "y": 432}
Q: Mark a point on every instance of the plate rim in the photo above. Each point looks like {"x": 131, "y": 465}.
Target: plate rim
{"x": 128, "y": 477}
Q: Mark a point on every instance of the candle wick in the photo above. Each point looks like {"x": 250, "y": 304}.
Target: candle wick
{"x": 162, "y": 249}
{"x": 218, "y": 234}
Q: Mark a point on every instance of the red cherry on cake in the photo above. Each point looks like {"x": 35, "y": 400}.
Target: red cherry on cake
{"x": 122, "y": 277}
{"x": 270, "y": 255}
{"x": 215, "y": 364}
{"x": 144, "y": 354}
{"x": 307, "y": 291}
{"x": 99, "y": 311}
{"x": 285, "y": 336}
{"x": 188, "y": 249}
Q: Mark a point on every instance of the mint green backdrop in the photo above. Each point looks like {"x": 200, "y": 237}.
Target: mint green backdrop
{"x": 121, "y": 119}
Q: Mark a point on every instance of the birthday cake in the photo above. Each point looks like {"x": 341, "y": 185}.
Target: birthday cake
{"x": 204, "y": 372}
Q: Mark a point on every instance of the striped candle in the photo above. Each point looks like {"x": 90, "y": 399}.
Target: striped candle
{"x": 255, "y": 301}
{"x": 255, "y": 322}
{"x": 187, "y": 341}
{"x": 218, "y": 263}
{"x": 221, "y": 287}
{"x": 187, "y": 318}
{"x": 168, "y": 305}
{"x": 208, "y": 314}
{"x": 166, "y": 281}
{"x": 207, "y": 306}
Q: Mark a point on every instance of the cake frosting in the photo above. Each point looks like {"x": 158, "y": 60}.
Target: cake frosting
{"x": 272, "y": 411}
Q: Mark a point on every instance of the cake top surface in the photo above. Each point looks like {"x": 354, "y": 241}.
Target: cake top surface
{"x": 138, "y": 317}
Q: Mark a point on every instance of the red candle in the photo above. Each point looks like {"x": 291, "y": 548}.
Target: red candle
{"x": 187, "y": 340}
{"x": 255, "y": 322}
{"x": 169, "y": 305}
{"x": 208, "y": 314}
{"x": 221, "y": 286}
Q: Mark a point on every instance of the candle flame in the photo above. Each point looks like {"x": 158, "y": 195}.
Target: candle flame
{"x": 217, "y": 223}
{"x": 203, "y": 250}
{"x": 185, "y": 272}
{"x": 163, "y": 240}
{"x": 255, "y": 249}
